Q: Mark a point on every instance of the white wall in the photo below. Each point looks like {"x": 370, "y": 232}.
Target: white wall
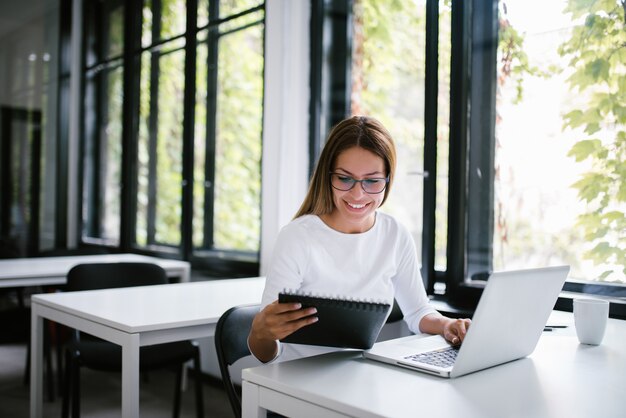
{"x": 285, "y": 131}
{"x": 286, "y": 108}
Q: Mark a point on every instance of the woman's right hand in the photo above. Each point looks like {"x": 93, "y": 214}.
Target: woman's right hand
{"x": 275, "y": 322}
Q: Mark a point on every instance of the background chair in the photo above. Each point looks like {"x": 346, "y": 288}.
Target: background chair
{"x": 54, "y": 333}
{"x": 231, "y": 344}
{"x": 93, "y": 353}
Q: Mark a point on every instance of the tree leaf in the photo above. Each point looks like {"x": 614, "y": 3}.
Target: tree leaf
{"x": 574, "y": 118}
{"x": 599, "y": 69}
{"x": 583, "y": 149}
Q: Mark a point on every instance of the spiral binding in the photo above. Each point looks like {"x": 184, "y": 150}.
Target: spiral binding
{"x": 330, "y": 299}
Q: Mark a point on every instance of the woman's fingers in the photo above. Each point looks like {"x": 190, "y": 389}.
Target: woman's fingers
{"x": 282, "y": 319}
{"x": 456, "y": 330}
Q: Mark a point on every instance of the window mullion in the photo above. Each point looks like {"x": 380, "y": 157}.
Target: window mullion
{"x": 153, "y": 129}
{"x": 211, "y": 128}
{"x": 152, "y": 147}
{"x": 457, "y": 189}
{"x": 188, "y": 130}
{"x": 431, "y": 81}
{"x": 130, "y": 116}
{"x": 482, "y": 123}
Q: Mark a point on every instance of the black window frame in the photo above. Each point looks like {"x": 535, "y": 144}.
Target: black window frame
{"x": 329, "y": 80}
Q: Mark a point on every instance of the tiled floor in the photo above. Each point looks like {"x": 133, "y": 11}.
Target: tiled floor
{"x": 101, "y": 392}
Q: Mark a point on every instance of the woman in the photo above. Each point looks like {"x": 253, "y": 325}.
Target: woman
{"x": 338, "y": 243}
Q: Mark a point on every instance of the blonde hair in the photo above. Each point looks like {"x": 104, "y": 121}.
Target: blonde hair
{"x": 357, "y": 131}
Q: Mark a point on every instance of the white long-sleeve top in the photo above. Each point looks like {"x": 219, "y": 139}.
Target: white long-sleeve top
{"x": 375, "y": 265}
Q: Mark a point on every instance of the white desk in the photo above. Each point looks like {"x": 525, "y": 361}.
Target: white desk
{"x": 134, "y": 317}
{"x": 37, "y": 271}
{"x": 562, "y": 378}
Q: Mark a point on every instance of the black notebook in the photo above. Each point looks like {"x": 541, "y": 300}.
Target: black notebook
{"x": 341, "y": 322}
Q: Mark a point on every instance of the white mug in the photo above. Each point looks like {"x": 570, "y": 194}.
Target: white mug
{"x": 590, "y": 317}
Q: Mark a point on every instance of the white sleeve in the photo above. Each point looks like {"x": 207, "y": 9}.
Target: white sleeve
{"x": 409, "y": 287}
{"x": 288, "y": 263}
{"x": 287, "y": 267}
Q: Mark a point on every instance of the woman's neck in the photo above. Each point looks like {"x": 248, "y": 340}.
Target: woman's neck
{"x": 332, "y": 221}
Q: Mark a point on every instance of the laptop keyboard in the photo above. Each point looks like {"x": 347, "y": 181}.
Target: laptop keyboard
{"x": 440, "y": 358}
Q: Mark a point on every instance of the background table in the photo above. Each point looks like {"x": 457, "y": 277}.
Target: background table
{"x": 562, "y": 378}
{"x": 38, "y": 271}
{"x": 134, "y": 317}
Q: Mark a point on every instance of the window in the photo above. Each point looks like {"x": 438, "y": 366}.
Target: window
{"x": 179, "y": 128}
{"x": 392, "y": 90}
{"x": 549, "y": 158}
{"x": 560, "y": 166}
{"x": 161, "y": 115}
{"x": 103, "y": 123}
{"x": 396, "y": 61}
{"x": 32, "y": 45}
{"x": 227, "y": 162}
{"x": 519, "y": 116}
{"x": 21, "y": 164}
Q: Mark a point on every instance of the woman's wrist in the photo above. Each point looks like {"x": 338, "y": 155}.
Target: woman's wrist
{"x": 264, "y": 350}
{"x": 433, "y": 323}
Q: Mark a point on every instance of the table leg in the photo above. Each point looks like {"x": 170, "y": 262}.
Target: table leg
{"x": 130, "y": 376}
{"x": 186, "y": 276}
{"x": 36, "y": 363}
{"x": 250, "y": 401}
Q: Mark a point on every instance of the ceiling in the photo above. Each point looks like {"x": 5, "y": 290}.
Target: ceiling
{"x": 18, "y": 13}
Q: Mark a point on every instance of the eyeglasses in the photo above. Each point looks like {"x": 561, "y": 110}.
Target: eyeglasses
{"x": 369, "y": 185}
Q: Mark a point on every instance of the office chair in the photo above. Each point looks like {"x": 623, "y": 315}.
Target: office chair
{"x": 396, "y": 313}
{"x": 231, "y": 344}
{"x": 93, "y": 353}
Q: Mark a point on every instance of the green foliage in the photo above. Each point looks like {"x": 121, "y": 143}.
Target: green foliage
{"x": 237, "y": 213}
{"x": 585, "y": 148}
{"x": 172, "y": 18}
{"x": 112, "y": 139}
{"x": 513, "y": 233}
{"x": 385, "y": 31}
{"x": 236, "y": 193}
{"x": 169, "y": 148}
{"x": 597, "y": 53}
{"x": 115, "y": 33}
{"x": 513, "y": 61}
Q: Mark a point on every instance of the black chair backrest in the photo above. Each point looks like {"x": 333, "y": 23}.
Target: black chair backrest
{"x": 93, "y": 276}
{"x": 396, "y": 313}
{"x": 231, "y": 344}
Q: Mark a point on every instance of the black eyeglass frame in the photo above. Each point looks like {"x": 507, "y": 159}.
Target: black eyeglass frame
{"x": 355, "y": 181}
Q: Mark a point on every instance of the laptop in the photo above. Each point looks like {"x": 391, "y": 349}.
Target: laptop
{"x": 506, "y": 326}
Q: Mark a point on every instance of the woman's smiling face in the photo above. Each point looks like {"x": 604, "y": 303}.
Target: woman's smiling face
{"x": 354, "y": 210}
